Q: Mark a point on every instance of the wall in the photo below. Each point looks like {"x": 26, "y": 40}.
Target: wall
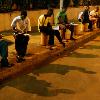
{"x": 6, "y": 18}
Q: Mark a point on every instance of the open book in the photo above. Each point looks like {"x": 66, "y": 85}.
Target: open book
{"x": 55, "y": 27}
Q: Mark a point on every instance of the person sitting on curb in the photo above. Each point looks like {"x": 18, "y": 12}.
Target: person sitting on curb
{"x": 95, "y": 17}
{"x": 62, "y": 21}
{"x": 4, "y": 53}
{"x": 21, "y": 27}
{"x": 85, "y": 18}
{"x": 45, "y": 27}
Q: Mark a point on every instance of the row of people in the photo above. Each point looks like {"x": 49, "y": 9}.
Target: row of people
{"x": 44, "y": 25}
{"x": 91, "y": 17}
{"x": 61, "y": 21}
{"x": 21, "y": 27}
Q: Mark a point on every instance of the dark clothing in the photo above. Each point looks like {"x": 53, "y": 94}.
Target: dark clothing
{"x": 62, "y": 19}
{"x": 85, "y": 18}
{"x": 90, "y": 25}
{"x": 98, "y": 22}
{"x": 21, "y": 43}
{"x": 4, "y": 52}
{"x": 49, "y": 31}
{"x": 57, "y": 34}
{"x": 70, "y": 27}
{"x": 3, "y": 49}
{"x": 79, "y": 20}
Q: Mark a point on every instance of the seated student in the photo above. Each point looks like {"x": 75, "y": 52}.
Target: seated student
{"x": 85, "y": 18}
{"x": 4, "y": 53}
{"x": 95, "y": 17}
{"x": 62, "y": 21}
{"x": 45, "y": 26}
{"x": 21, "y": 26}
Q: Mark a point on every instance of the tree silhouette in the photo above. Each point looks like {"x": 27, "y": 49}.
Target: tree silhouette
{"x": 66, "y": 3}
{"x": 76, "y": 3}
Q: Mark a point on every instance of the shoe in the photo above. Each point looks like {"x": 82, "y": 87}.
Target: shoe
{"x": 47, "y": 47}
{"x": 63, "y": 45}
{"x": 23, "y": 59}
{"x": 90, "y": 30}
{"x": 20, "y": 59}
{"x": 65, "y": 40}
{"x": 52, "y": 47}
{"x": 6, "y": 65}
{"x": 72, "y": 38}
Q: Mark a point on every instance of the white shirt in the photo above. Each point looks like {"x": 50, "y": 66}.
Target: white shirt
{"x": 93, "y": 13}
{"x": 43, "y": 21}
{"x": 80, "y": 15}
{"x": 23, "y": 25}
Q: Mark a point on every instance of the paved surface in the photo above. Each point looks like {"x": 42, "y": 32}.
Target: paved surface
{"x": 70, "y": 77}
{"x": 38, "y": 55}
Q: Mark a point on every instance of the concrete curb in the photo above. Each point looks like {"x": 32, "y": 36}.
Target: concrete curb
{"x": 40, "y": 59}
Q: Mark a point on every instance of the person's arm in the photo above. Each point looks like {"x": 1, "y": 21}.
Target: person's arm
{"x": 28, "y": 27}
{"x": 15, "y": 30}
{"x": 92, "y": 16}
{"x": 66, "y": 20}
{"x": 0, "y": 36}
{"x": 14, "y": 25}
{"x": 58, "y": 19}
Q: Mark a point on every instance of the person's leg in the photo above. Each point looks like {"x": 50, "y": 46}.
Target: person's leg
{"x": 71, "y": 28}
{"x": 90, "y": 27}
{"x": 25, "y": 43}
{"x": 51, "y": 39}
{"x": 57, "y": 34}
{"x": 63, "y": 31}
{"x": 4, "y": 48}
{"x": 98, "y": 23}
{"x": 4, "y": 53}
{"x": 19, "y": 46}
{"x": 18, "y": 43}
{"x": 49, "y": 32}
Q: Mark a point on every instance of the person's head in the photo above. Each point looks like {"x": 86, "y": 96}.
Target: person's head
{"x": 23, "y": 14}
{"x": 49, "y": 12}
{"x": 87, "y": 7}
{"x": 96, "y": 8}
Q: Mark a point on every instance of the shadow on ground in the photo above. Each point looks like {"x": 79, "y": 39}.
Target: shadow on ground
{"x": 30, "y": 84}
{"x": 90, "y": 47}
{"x": 61, "y": 69}
{"x": 80, "y": 55}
